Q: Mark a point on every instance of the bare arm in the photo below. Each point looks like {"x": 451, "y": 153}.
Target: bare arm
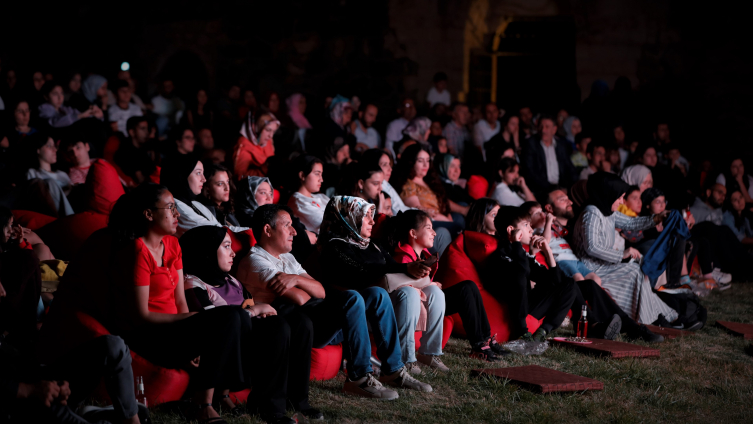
{"x": 296, "y": 296}
{"x": 548, "y": 228}
{"x": 282, "y": 283}
{"x": 140, "y": 314}
{"x": 180, "y": 294}
{"x": 454, "y": 207}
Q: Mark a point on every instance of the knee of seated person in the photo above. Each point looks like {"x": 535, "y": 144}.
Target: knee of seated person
{"x": 468, "y": 286}
{"x": 434, "y": 294}
{"x": 376, "y": 294}
{"x": 115, "y": 348}
{"x": 353, "y": 300}
{"x": 407, "y": 294}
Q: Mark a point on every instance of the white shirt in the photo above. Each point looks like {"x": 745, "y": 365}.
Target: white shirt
{"x": 397, "y": 202}
{"x": 721, "y": 179}
{"x": 310, "y": 210}
{"x": 116, "y": 114}
{"x": 482, "y": 132}
{"x": 507, "y": 197}
{"x": 434, "y": 97}
{"x": 586, "y": 172}
{"x": 394, "y": 133}
{"x": 259, "y": 267}
{"x": 370, "y": 137}
{"x": 190, "y": 219}
{"x": 561, "y": 249}
{"x": 552, "y": 166}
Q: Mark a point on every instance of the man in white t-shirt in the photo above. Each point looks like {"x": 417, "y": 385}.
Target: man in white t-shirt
{"x": 508, "y": 172}
{"x": 439, "y": 93}
{"x": 486, "y": 128}
{"x": 363, "y": 126}
{"x": 407, "y": 111}
{"x": 123, "y": 109}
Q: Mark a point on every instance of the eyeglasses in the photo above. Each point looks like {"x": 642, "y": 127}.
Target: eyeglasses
{"x": 171, "y": 207}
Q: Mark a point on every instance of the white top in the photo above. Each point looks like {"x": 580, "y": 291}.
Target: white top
{"x": 167, "y": 107}
{"x": 189, "y": 218}
{"x": 370, "y": 138}
{"x": 310, "y": 210}
{"x": 482, "y": 132}
{"x": 507, "y": 197}
{"x": 397, "y": 202}
{"x": 561, "y": 249}
{"x": 259, "y": 267}
{"x": 60, "y": 177}
{"x": 586, "y": 172}
{"x": 116, "y": 114}
{"x": 394, "y": 133}
{"x": 552, "y": 166}
{"x": 57, "y": 190}
{"x": 623, "y": 157}
{"x": 434, "y": 97}
{"x": 721, "y": 179}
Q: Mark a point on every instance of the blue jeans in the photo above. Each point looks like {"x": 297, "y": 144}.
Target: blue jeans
{"x": 407, "y": 304}
{"x": 346, "y": 316}
{"x": 571, "y": 268}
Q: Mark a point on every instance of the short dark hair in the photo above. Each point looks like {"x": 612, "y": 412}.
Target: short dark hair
{"x": 456, "y": 105}
{"x": 545, "y": 198}
{"x": 134, "y": 122}
{"x": 504, "y": 165}
{"x": 527, "y": 206}
{"x": 507, "y": 216}
{"x": 267, "y": 214}
{"x": 48, "y": 86}
{"x": 548, "y": 117}
{"x": 582, "y": 136}
{"x": 593, "y": 145}
{"x": 631, "y": 189}
{"x": 440, "y": 76}
{"x": 305, "y": 164}
{"x": 117, "y": 85}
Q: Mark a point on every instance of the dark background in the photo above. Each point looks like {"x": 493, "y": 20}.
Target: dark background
{"x": 689, "y": 65}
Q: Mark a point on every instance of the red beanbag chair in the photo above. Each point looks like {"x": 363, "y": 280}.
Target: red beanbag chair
{"x": 477, "y": 186}
{"x": 66, "y": 235}
{"x": 326, "y": 362}
{"x": 31, "y": 220}
{"x": 458, "y": 264}
{"x": 103, "y": 187}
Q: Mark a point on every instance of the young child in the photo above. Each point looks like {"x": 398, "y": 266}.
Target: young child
{"x": 632, "y": 208}
{"x": 545, "y": 225}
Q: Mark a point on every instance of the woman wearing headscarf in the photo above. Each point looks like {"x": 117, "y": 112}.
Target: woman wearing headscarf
{"x": 417, "y": 130}
{"x": 95, "y": 91}
{"x": 597, "y": 244}
{"x": 183, "y": 175}
{"x": 572, "y": 127}
{"x": 638, "y": 175}
{"x": 207, "y": 258}
{"x": 255, "y": 145}
{"x": 350, "y": 260}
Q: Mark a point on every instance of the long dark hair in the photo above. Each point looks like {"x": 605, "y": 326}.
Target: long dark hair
{"x": 354, "y": 172}
{"x": 739, "y": 217}
{"x": 404, "y": 172}
{"x": 730, "y": 182}
{"x": 304, "y": 164}
{"x": 400, "y": 226}
{"x": 127, "y": 221}
{"x": 474, "y": 221}
{"x": 226, "y": 208}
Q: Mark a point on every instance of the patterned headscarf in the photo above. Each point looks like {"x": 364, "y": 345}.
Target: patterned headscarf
{"x": 251, "y": 130}
{"x": 342, "y": 220}
{"x": 336, "y": 108}
{"x": 635, "y": 174}
{"x": 295, "y": 113}
{"x": 417, "y": 128}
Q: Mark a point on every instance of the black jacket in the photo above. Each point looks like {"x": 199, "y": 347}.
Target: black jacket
{"x": 534, "y": 165}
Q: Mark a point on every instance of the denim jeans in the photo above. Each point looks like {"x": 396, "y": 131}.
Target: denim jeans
{"x": 407, "y": 304}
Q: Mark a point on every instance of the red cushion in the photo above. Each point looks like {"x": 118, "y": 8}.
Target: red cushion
{"x": 103, "y": 187}
{"x": 478, "y": 246}
{"x": 242, "y": 242}
{"x": 326, "y": 362}
{"x": 31, "y": 220}
{"x": 275, "y": 196}
{"x": 66, "y": 235}
{"x": 155, "y": 175}
{"x": 477, "y": 186}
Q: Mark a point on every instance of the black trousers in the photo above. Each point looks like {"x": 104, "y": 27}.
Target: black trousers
{"x": 701, "y": 249}
{"x": 546, "y": 300}
{"x": 729, "y": 254}
{"x": 600, "y": 307}
{"x": 236, "y": 351}
{"x": 21, "y": 278}
{"x": 465, "y": 299}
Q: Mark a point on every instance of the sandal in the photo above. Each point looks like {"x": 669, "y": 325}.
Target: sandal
{"x": 216, "y": 420}
{"x": 237, "y": 411}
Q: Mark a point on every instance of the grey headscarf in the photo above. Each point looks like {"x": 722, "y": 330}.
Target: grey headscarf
{"x": 568, "y": 125}
{"x": 92, "y": 83}
{"x": 635, "y": 174}
{"x": 417, "y": 128}
{"x": 245, "y": 198}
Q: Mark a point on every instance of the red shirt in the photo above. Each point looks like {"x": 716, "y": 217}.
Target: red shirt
{"x": 163, "y": 280}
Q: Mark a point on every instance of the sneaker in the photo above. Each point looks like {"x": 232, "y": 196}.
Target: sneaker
{"x": 497, "y": 347}
{"x": 527, "y": 337}
{"x": 402, "y": 378}
{"x": 721, "y": 277}
{"x": 643, "y": 333}
{"x": 369, "y": 387}
{"x": 695, "y": 326}
{"x": 484, "y": 352}
{"x": 432, "y": 361}
{"x": 606, "y": 331}
{"x": 539, "y": 335}
{"x": 413, "y": 367}
{"x": 723, "y": 286}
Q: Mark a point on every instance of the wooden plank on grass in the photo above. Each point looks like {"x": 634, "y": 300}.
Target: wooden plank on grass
{"x": 611, "y": 348}
{"x": 542, "y": 380}
{"x": 737, "y": 329}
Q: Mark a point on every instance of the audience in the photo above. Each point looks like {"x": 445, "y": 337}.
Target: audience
{"x": 307, "y": 203}
{"x": 737, "y": 180}
{"x": 58, "y": 115}
{"x": 363, "y": 127}
{"x": 255, "y": 146}
{"x": 546, "y": 161}
{"x": 123, "y": 109}
{"x": 486, "y": 128}
{"x": 438, "y": 93}
{"x": 134, "y": 156}
{"x": 41, "y": 154}
{"x": 455, "y": 131}
{"x": 736, "y": 220}
{"x": 596, "y": 161}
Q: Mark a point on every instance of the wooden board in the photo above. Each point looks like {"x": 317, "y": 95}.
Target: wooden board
{"x": 737, "y": 329}
{"x": 542, "y": 380}
{"x": 613, "y": 349}
{"x": 668, "y": 333}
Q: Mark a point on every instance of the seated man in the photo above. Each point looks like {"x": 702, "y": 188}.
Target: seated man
{"x": 77, "y": 154}
{"x": 134, "y": 156}
{"x": 596, "y": 154}
{"x": 272, "y": 275}
{"x": 511, "y": 271}
{"x": 546, "y": 160}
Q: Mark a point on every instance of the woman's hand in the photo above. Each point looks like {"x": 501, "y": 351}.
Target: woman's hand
{"x": 261, "y": 310}
{"x": 521, "y": 182}
{"x": 97, "y": 112}
{"x": 418, "y": 270}
{"x": 631, "y": 253}
{"x": 661, "y": 217}
{"x": 195, "y": 362}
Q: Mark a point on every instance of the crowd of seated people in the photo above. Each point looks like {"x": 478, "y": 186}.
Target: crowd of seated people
{"x": 603, "y": 214}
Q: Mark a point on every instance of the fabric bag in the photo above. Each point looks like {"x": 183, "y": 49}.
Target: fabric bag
{"x": 392, "y": 282}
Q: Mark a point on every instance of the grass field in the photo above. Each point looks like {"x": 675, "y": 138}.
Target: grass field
{"x": 704, "y": 378}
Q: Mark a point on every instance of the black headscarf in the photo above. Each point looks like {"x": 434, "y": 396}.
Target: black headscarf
{"x": 245, "y": 198}
{"x": 174, "y": 175}
{"x": 199, "y": 246}
{"x": 603, "y": 189}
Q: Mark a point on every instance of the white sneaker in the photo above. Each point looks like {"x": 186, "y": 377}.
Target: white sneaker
{"x": 432, "y": 361}
{"x": 721, "y": 277}
{"x": 403, "y": 379}
{"x": 413, "y": 367}
{"x": 369, "y": 387}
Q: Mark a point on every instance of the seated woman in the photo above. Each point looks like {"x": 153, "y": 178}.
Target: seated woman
{"x": 154, "y": 320}
{"x": 307, "y": 203}
{"x": 735, "y": 219}
{"x": 448, "y": 168}
{"x": 597, "y": 245}
{"x": 95, "y": 91}
{"x": 509, "y": 137}
{"x": 420, "y": 188}
{"x": 338, "y": 126}
{"x": 351, "y": 261}
{"x": 254, "y": 192}
{"x": 384, "y": 160}
{"x": 208, "y": 257}
{"x": 336, "y": 155}
{"x": 255, "y": 146}
{"x": 184, "y": 176}
{"x": 511, "y": 188}
{"x": 481, "y": 216}
{"x": 638, "y": 175}
{"x": 735, "y": 179}
{"x": 365, "y": 182}
{"x": 41, "y": 154}
{"x": 217, "y": 194}
{"x": 414, "y": 236}
{"x": 58, "y": 115}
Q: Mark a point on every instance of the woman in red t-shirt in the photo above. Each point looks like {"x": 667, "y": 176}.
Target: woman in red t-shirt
{"x": 217, "y": 345}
